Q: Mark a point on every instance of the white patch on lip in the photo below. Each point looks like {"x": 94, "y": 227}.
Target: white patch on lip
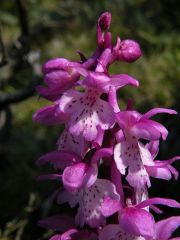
{"x": 87, "y": 111}
{"x": 134, "y": 155}
{"x": 90, "y": 200}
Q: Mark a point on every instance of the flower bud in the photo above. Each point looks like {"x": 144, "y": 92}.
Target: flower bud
{"x": 129, "y": 51}
{"x": 105, "y": 21}
{"x": 55, "y": 64}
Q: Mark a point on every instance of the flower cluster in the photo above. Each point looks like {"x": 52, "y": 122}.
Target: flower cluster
{"x": 105, "y": 156}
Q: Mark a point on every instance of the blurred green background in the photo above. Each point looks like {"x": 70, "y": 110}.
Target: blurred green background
{"x": 57, "y": 28}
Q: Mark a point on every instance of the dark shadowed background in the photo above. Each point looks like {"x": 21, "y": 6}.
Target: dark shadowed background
{"x": 33, "y": 31}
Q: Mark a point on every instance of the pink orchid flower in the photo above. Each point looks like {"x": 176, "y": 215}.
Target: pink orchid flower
{"x": 130, "y": 152}
{"x": 101, "y": 161}
{"x": 163, "y": 231}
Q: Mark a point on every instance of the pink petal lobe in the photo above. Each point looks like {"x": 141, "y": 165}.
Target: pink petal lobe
{"x": 153, "y": 148}
{"x": 133, "y": 155}
{"x": 57, "y": 222}
{"x": 121, "y": 80}
{"x": 100, "y": 153}
{"x": 73, "y": 176}
{"x": 164, "y": 163}
{"x": 161, "y": 173}
{"x": 99, "y": 138}
{"x": 51, "y": 94}
{"x": 110, "y": 206}
{"x": 162, "y": 201}
{"x": 69, "y": 142}
{"x": 50, "y": 115}
{"x": 56, "y": 63}
{"x": 60, "y": 159}
{"x": 58, "y": 79}
{"x": 65, "y": 196}
{"x": 97, "y": 80}
{"x": 115, "y": 232}
{"x": 144, "y": 130}
{"x": 165, "y": 228}
{"x": 162, "y": 169}
{"x": 90, "y": 200}
{"x": 56, "y": 237}
{"x": 79, "y": 175}
{"x": 127, "y": 119}
{"x": 155, "y": 111}
{"x": 84, "y": 235}
{"x": 113, "y": 99}
{"x": 132, "y": 220}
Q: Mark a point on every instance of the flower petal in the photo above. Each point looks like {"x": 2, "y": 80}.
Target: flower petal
{"x": 153, "y": 148}
{"x": 97, "y": 80}
{"x": 50, "y": 115}
{"x": 155, "y": 111}
{"x": 174, "y": 172}
{"x": 90, "y": 200}
{"x": 105, "y": 114}
{"x": 57, "y": 222}
{"x": 67, "y": 234}
{"x": 120, "y": 160}
{"x": 103, "y": 152}
{"x": 113, "y": 99}
{"x": 162, "y": 130}
{"x": 110, "y": 206}
{"x": 163, "y": 169}
{"x": 73, "y": 176}
{"x": 121, "y": 80}
{"x": 56, "y": 237}
{"x": 116, "y": 180}
{"x": 165, "y": 228}
{"x": 132, "y": 220}
{"x": 141, "y": 194}
{"x": 58, "y": 82}
{"x": 84, "y": 235}
{"x": 69, "y": 142}
{"x": 163, "y": 163}
{"x": 55, "y": 64}
{"x": 51, "y": 94}
{"x": 162, "y": 201}
{"x": 79, "y": 175}
{"x": 99, "y": 138}
{"x": 145, "y": 130}
{"x": 133, "y": 155}
{"x": 60, "y": 159}
{"x": 127, "y": 119}
{"x": 65, "y": 196}
{"x": 57, "y": 78}
{"x": 161, "y": 173}
{"x": 115, "y": 232}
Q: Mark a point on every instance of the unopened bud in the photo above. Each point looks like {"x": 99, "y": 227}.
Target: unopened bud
{"x": 55, "y": 64}
{"x": 129, "y": 51}
{"x": 105, "y": 21}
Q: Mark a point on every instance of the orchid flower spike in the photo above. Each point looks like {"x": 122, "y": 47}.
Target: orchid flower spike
{"x": 103, "y": 151}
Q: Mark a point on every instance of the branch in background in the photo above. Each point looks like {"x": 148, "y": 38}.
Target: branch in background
{"x": 28, "y": 91}
{"x": 5, "y": 123}
{"x": 23, "y": 18}
{"x": 19, "y": 95}
{"x": 3, "y": 60}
